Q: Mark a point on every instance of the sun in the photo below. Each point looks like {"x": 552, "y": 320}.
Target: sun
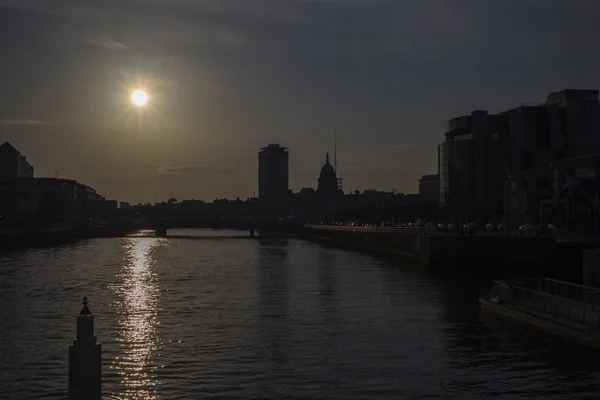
{"x": 139, "y": 98}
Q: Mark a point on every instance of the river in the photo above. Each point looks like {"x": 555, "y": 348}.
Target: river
{"x": 236, "y": 318}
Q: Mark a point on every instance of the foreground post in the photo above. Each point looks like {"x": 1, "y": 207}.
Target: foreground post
{"x": 85, "y": 360}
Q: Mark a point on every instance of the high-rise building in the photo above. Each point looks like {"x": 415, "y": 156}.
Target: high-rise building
{"x": 472, "y": 162}
{"x": 13, "y": 164}
{"x": 429, "y": 189}
{"x": 273, "y": 173}
{"x": 566, "y": 125}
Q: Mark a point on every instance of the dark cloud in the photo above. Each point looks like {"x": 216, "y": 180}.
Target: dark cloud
{"x": 29, "y": 122}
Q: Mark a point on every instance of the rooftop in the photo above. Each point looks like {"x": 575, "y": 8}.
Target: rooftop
{"x": 273, "y": 146}
{"x": 10, "y": 147}
{"x": 424, "y": 178}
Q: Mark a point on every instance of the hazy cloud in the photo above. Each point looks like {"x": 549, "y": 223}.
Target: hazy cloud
{"x": 402, "y": 146}
{"x": 108, "y": 43}
{"x": 13, "y": 121}
{"x": 350, "y": 165}
{"x": 193, "y": 170}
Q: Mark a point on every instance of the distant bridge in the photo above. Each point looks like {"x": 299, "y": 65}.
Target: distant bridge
{"x": 161, "y": 226}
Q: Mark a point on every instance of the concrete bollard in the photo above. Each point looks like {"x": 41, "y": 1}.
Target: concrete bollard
{"x": 85, "y": 360}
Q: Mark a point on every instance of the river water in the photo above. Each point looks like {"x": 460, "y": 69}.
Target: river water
{"x": 234, "y": 318}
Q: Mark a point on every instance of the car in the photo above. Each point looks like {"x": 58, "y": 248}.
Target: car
{"x": 489, "y": 227}
{"x": 441, "y": 227}
{"x": 527, "y": 227}
{"x": 451, "y": 227}
{"x": 501, "y": 226}
{"x": 552, "y": 227}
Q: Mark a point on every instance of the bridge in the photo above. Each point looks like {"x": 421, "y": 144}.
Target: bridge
{"x": 271, "y": 227}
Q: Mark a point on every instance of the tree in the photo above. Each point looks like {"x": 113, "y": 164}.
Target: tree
{"x": 172, "y": 200}
{"x": 357, "y": 192}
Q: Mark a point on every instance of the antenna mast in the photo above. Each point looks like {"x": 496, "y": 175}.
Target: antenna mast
{"x": 335, "y": 152}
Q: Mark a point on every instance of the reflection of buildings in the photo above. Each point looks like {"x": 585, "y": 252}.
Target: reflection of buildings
{"x": 23, "y": 195}
{"x": 482, "y": 151}
{"x": 273, "y": 299}
{"x": 273, "y": 174}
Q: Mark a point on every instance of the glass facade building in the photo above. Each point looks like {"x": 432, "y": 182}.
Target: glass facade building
{"x": 472, "y": 164}
{"x": 482, "y": 152}
{"x": 457, "y": 172}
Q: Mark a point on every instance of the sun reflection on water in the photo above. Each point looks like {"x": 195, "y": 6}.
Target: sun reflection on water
{"x": 137, "y": 306}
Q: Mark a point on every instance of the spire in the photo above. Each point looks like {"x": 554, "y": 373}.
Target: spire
{"x": 85, "y": 310}
{"x": 327, "y": 159}
{"x": 335, "y": 152}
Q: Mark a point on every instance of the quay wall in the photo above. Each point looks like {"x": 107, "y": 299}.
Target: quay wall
{"x": 531, "y": 256}
{"x": 15, "y": 239}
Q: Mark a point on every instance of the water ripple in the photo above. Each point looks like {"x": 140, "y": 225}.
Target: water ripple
{"x": 270, "y": 319}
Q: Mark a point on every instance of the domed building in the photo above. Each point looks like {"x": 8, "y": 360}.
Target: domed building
{"x": 328, "y": 182}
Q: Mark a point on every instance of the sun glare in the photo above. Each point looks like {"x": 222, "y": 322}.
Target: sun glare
{"x": 139, "y": 98}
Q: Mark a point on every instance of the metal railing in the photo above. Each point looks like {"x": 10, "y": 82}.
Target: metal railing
{"x": 532, "y": 295}
{"x": 573, "y": 291}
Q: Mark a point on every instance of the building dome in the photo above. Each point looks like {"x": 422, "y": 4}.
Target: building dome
{"x": 327, "y": 170}
{"x": 327, "y": 179}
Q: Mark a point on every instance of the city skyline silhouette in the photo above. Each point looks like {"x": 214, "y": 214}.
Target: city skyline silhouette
{"x": 226, "y": 78}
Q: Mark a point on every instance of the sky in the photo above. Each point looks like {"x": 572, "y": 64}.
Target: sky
{"x": 226, "y": 77}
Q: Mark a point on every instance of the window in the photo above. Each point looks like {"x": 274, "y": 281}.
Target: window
{"x": 541, "y": 184}
{"x": 463, "y": 137}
